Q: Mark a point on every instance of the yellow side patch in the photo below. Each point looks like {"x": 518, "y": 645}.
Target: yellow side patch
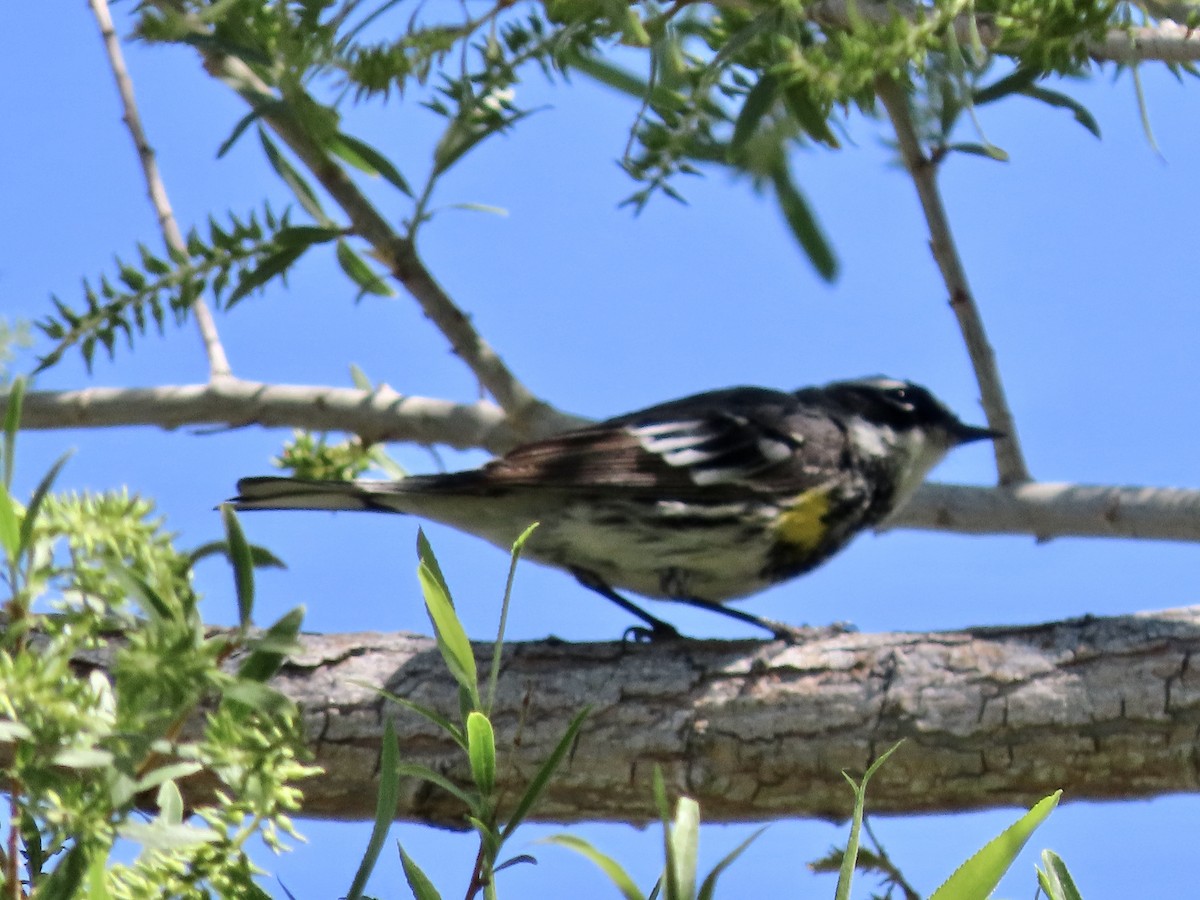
{"x": 802, "y": 524}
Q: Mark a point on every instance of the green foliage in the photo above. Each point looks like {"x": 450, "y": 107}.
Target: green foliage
{"x": 91, "y": 744}
{"x": 742, "y": 87}
{"x": 476, "y": 736}
{"x": 233, "y": 261}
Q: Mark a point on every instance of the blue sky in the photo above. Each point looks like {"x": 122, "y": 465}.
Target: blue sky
{"x": 1081, "y": 253}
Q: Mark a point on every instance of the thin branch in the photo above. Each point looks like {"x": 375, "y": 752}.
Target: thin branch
{"x": 1041, "y": 510}
{"x": 378, "y": 415}
{"x": 218, "y": 364}
{"x": 1165, "y": 41}
{"x": 398, "y": 253}
{"x": 923, "y": 171}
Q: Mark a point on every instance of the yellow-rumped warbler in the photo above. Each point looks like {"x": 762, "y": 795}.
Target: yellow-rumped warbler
{"x": 700, "y": 500}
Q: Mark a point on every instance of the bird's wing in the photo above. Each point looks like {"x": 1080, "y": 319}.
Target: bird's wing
{"x": 735, "y": 439}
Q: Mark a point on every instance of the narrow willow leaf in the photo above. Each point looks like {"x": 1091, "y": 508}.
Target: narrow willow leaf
{"x": 35, "y": 502}
{"x": 385, "y": 809}
{"x": 980, "y": 874}
{"x": 709, "y": 887}
{"x": 1082, "y": 114}
{"x": 803, "y": 223}
{"x": 481, "y": 750}
{"x": 809, "y": 114}
{"x": 452, "y": 640}
{"x": 254, "y": 695}
{"x": 685, "y": 846}
{"x": 12, "y": 423}
{"x": 538, "y": 784}
{"x": 850, "y": 857}
{"x": 10, "y": 525}
{"x": 292, "y": 178}
{"x": 418, "y": 882}
{"x": 367, "y": 159}
{"x": 170, "y": 803}
{"x": 243, "y": 565}
{"x": 268, "y": 650}
{"x": 1056, "y": 882}
{"x": 369, "y": 281}
{"x": 426, "y": 712}
{"x": 274, "y": 264}
{"x": 1014, "y": 82}
{"x": 609, "y": 866}
{"x": 498, "y": 646}
{"x": 416, "y": 770}
{"x": 988, "y": 151}
{"x": 757, "y": 104}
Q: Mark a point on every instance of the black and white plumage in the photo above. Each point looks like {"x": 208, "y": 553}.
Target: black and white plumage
{"x": 704, "y": 499}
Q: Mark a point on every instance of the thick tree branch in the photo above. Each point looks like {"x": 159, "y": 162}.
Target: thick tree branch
{"x": 218, "y": 364}
{"x": 1009, "y": 460}
{"x": 1102, "y": 708}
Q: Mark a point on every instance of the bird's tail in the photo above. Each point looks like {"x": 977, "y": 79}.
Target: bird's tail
{"x": 267, "y": 492}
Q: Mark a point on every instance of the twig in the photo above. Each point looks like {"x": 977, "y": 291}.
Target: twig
{"x": 218, "y": 364}
{"x": 399, "y": 254}
{"x": 1009, "y": 460}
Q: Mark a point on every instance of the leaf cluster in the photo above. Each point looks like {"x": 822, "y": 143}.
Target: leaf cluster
{"x": 114, "y": 697}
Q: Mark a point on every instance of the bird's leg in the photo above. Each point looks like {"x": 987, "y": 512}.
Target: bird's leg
{"x": 658, "y": 630}
{"x": 790, "y": 634}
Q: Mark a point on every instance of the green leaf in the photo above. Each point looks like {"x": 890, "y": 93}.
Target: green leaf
{"x": 684, "y": 843}
{"x": 980, "y": 874}
{"x": 268, "y": 267}
{"x": 498, "y": 646}
{"x": 803, "y": 223}
{"x": 809, "y": 114}
{"x": 163, "y": 774}
{"x": 243, "y": 565}
{"x": 451, "y": 638}
{"x": 418, "y": 882}
{"x": 609, "y": 866}
{"x": 293, "y": 179}
{"x": 10, "y": 525}
{"x": 83, "y": 758}
{"x": 367, "y": 159}
{"x": 369, "y": 281}
{"x": 757, "y": 104}
{"x": 481, "y": 750}
{"x": 64, "y": 881}
{"x": 426, "y": 712}
{"x": 538, "y": 784}
{"x": 416, "y": 770}
{"x": 170, "y": 803}
{"x": 12, "y": 423}
{"x": 259, "y": 697}
{"x": 1082, "y": 114}
{"x": 1013, "y": 83}
{"x": 239, "y": 129}
{"x": 268, "y": 650}
{"x": 989, "y": 151}
{"x": 385, "y": 809}
{"x": 39, "y": 495}
{"x": 159, "y": 835}
{"x": 850, "y": 857}
{"x": 708, "y": 888}
{"x": 1056, "y": 882}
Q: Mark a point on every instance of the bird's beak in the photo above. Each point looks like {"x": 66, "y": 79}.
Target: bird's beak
{"x": 965, "y": 434}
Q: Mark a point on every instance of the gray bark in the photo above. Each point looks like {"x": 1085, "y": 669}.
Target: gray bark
{"x": 1103, "y": 708}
